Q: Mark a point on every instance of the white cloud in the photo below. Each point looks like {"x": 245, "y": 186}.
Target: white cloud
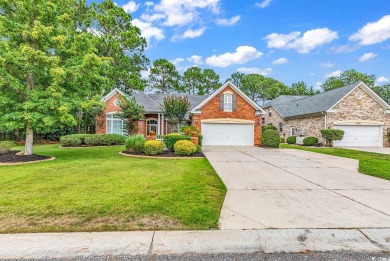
{"x": 182, "y": 12}
{"x": 263, "y": 4}
{"x": 347, "y": 48}
{"x": 248, "y": 70}
{"x": 196, "y": 59}
{"x": 333, "y": 74}
{"x": 152, "y": 17}
{"x": 242, "y": 55}
{"x": 372, "y": 33}
{"x": 304, "y": 44}
{"x": 367, "y": 56}
{"x": 193, "y": 33}
{"x": 130, "y": 7}
{"x": 281, "y": 60}
{"x": 228, "y": 22}
{"x": 382, "y": 79}
{"x": 318, "y": 86}
{"x": 145, "y": 74}
{"x": 148, "y": 30}
{"x": 327, "y": 65}
{"x": 177, "y": 60}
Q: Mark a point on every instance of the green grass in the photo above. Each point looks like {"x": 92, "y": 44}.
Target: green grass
{"x": 95, "y": 189}
{"x": 374, "y": 164}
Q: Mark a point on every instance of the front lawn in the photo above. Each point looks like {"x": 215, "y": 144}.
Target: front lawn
{"x": 95, "y": 189}
{"x": 373, "y": 164}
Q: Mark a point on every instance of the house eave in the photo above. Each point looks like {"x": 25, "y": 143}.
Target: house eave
{"x": 314, "y": 114}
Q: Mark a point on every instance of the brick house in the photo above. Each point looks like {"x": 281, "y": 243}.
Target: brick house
{"x": 356, "y": 109}
{"x": 227, "y": 117}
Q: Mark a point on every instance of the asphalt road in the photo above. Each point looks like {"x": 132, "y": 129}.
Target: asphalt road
{"x": 334, "y": 256}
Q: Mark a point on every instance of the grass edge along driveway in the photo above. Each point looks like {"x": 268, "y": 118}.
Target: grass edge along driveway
{"x": 373, "y": 164}
{"x": 95, "y": 189}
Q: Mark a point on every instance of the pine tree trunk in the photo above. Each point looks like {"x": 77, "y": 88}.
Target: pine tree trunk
{"x": 28, "y": 147}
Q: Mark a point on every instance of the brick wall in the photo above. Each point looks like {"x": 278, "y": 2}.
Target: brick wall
{"x": 244, "y": 111}
{"x": 110, "y": 107}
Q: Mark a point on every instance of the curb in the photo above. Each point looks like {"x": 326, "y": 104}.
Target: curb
{"x": 157, "y": 157}
{"x": 135, "y": 243}
{"x": 28, "y": 162}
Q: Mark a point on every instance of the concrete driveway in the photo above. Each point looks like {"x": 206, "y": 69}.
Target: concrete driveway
{"x": 276, "y": 188}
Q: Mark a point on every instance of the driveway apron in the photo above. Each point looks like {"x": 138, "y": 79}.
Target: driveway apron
{"x": 276, "y": 188}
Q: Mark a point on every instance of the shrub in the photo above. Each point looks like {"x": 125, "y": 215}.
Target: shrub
{"x": 135, "y": 143}
{"x": 200, "y": 141}
{"x": 187, "y": 130}
{"x": 332, "y": 134}
{"x": 198, "y": 149}
{"x": 185, "y": 148}
{"x": 172, "y": 138}
{"x": 282, "y": 140}
{"x": 292, "y": 139}
{"x": 271, "y": 138}
{"x": 310, "y": 141}
{"x": 70, "y": 141}
{"x": 153, "y": 147}
{"x": 5, "y": 146}
{"x": 76, "y": 140}
{"x": 268, "y": 127}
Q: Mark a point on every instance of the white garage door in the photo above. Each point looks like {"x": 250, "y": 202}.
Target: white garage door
{"x": 360, "y": 136}
{"x": 227, "y": 134}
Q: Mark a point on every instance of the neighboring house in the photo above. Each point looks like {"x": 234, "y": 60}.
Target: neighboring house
{"x": 227, "y": 117}
{"x": 356, "y": 109}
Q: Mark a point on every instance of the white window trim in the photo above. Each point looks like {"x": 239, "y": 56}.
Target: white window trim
{"x": 227, "y": 102}
{"x": 112, "y": 125}
{"x": 291, "y": 131}
{"x": 147, "y": 127}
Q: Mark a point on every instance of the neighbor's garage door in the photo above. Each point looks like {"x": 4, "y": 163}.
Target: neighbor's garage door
{"x": 227, "y": 134}
{"x": 360, "y": 136}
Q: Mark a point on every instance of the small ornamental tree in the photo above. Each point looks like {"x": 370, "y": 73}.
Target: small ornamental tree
{"x": 175, "y": 108}
{"x": 132, "y": 112}
{"x": 332, "y": 134}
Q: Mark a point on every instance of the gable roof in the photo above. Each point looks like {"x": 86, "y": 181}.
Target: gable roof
{"x": 303, "y": 105}
{"x": 236, "y": 89}
{"x": 194, "y": 100}
{"x": 152, "y": 102}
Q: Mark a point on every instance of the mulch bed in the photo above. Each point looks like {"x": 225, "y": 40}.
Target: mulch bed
{"x": 166, "y": 154}
{"x": 12, "y": 157}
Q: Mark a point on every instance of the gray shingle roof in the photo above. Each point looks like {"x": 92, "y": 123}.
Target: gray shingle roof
{"x": 290, "y": 107}
{"x": 153, "y": 102}
{"x": 149, "y": 104}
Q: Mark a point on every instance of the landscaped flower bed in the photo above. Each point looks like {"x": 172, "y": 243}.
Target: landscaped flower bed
{"x": 14, "y": 157}
{"x": 174, "y": 145}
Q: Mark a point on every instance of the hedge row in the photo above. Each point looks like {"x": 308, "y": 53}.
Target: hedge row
{"x": 77, "y": 140}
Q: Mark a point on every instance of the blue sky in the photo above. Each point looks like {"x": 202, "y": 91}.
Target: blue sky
{"x": 288, "y": 40}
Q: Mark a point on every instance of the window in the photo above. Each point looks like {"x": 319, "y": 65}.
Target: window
{"x": 280, "y": 127}
{"x": 228, "y": 102}
{"x": 115, "y": 124}
{"x": 270, "y": 112}
{"x": 262, "y": 121}
{"x": 293, "y": 131}
{"x": 117, "y": 102}
{"x": 151, "y": 125}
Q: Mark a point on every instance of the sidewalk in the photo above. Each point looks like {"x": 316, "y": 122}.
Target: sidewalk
{"x": 72, "y": 245}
